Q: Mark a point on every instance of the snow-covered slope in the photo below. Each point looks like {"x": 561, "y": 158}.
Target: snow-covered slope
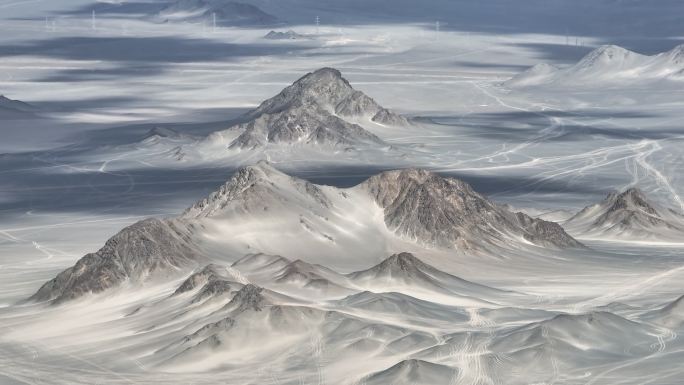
{"x": 627, "y": 216}
{"x": 414, "y": 372}
{"x": 227, "y": 13}
{"x": 321, "y": 108}
{"x": 406, "y": 273}
{"x": 671, "y": 315}
{"x": 262, "y": 210}
{"x": 606, "y": 64}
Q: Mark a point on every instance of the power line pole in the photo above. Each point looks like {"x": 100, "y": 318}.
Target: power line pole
{"x": 213, "y": 17}
{"x": 318, "y": 24}
{"x": 94, "y": 26}
{"x": 436, "y": 26}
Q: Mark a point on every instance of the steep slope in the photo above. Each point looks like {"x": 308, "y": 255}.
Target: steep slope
{"x": 606, "y": 64}
{"x": 264, "y": 211}
{"x": 321, "y": 108}
{"x": 446, "y": 212}
{"x": 227, "y": 13}
{"x": 627, "y": 216}
{"x": 148, "y": 249}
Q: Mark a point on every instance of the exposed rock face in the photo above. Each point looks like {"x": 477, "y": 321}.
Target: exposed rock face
{"x": 216, "y": 288}
{"x": 208, "y": 274}
{"x": 314, "y": 110}
{"x": 149, "y": 248}
{"x": 545, "y": 233}
{"x": 227, "y": 13}
{"x": 418, "y": 205}
{"x": 447, "y": 212}
{"x": 627, "y": 215}
{"x": 248, "y": 298}
{"x": 306, "y": 124}
{"x": 211, "y": 282}
{"x": 252, "y": 188}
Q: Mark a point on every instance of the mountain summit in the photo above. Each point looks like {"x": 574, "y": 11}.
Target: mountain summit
{"x": 321, "y": 108}
{"x": 628, "y": 215}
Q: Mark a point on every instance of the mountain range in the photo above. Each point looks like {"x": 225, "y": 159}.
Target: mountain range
{"x": 607, "y": 64}
{"x": 263, "y": 210}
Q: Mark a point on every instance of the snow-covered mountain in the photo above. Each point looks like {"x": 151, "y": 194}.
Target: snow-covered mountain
{"x": 447, "y": 212}
{"x": 262, "y": 210}
{"x": 320, "y": 108}
{"x": 607, "y": 64}
{"x": 284, "y": 35}
{"x": 151, "y": 248}
{"x": 226, "y": 13}
{"x": 627, "y": 216}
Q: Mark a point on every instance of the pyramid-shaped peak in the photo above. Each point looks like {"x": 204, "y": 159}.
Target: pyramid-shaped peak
{"x": 406, "y": 262}
{"x": 606, "y": 54}
{"x": 632, "y": 198}
{"x": 611, "y": 51}
{"x": 632, "y": 192}
{"x": 247, "y": 298}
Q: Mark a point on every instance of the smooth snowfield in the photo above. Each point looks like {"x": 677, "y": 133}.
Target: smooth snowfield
{"x": 107, "y": 110}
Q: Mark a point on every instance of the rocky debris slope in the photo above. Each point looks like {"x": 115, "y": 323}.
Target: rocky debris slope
{"x": 147, "y": 249}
